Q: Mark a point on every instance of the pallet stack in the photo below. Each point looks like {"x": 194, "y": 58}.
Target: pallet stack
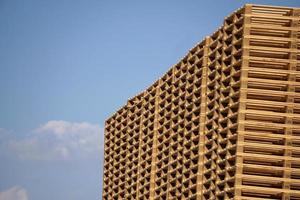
{"x": 268, "y": 151}
{"x": 223, "y": 123}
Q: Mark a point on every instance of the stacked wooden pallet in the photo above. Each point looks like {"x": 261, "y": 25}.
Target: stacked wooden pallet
{"x": 268, "y": 135}
{"x": 223, "y": 123}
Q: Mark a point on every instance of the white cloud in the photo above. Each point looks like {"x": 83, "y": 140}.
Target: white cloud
{"x": 60, "y": 140}
{"x": 14, "y": 193}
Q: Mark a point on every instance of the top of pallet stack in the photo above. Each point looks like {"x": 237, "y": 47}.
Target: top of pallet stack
{"x": 267, "y": 10}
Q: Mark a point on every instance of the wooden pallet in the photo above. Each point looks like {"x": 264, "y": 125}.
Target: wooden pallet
{"x": 223, "y": 123}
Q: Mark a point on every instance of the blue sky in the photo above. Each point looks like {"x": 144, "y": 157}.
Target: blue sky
{"x": 65, "y": 66}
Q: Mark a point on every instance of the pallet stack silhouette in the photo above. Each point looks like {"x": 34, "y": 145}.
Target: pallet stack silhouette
{"x": 223, "y": 123}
